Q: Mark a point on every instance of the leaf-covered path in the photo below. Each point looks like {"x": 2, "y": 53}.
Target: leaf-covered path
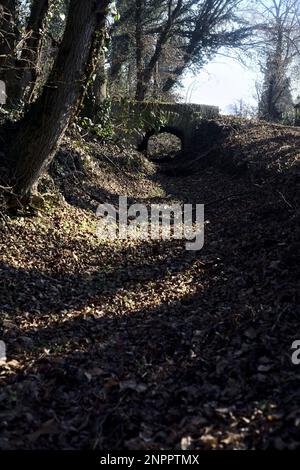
{"x": 146, "y": 345}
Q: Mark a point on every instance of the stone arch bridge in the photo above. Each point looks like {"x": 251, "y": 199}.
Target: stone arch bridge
{"x": 138, "y": 121}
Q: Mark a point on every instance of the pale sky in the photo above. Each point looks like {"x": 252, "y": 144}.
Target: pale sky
{"x": 221, "y": 83}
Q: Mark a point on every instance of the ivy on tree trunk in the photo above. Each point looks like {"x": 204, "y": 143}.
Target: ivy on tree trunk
{"x": 43, "y": 126}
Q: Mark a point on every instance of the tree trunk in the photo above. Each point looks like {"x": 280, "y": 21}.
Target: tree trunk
{"x": 140, "y": 87}
{"x": 144, "y": 75}
{"x": 44, "y": 125}
{"x": 95, "y": 67}
{"x": 118, "y": 55}
{"x": 147, "y": 74}
{"x": 177, "y": 73}
{"x": 29, "y": 60}
{"x": 7, "y": 47}
{"x": 96, "y": 85}
{"x": 100, "y": 83}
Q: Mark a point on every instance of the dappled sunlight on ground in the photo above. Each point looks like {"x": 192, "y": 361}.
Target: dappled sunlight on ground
{"x": 144, "y": 345}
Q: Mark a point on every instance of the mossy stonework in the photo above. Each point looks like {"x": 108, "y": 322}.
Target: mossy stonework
{"x": 138, "y": 121}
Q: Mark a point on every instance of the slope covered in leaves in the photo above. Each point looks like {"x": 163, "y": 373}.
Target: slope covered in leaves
{"x": 144, "y": 345}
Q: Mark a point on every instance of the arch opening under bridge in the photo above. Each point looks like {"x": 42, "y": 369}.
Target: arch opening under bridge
{"x": 145, "y": 119}
{"x": 143, "y": 146}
